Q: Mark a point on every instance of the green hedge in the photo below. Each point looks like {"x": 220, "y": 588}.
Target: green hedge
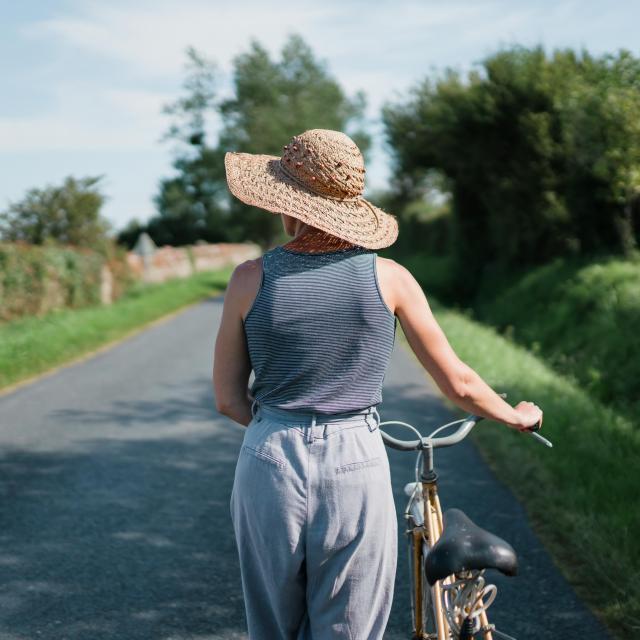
{"x": 36, "y": 279}
{"x": 433, "y": 272}
{"x": 581, "y": 315}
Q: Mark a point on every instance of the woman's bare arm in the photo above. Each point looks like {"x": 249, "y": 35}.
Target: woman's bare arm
{"x": 231, "y": 364}
{"x": 457, "y": 380}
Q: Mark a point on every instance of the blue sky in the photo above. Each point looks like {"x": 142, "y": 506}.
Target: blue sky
{"x": 83, "y": 83}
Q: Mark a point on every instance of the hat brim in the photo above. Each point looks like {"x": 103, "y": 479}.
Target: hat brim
{"x": 258, "y": 180}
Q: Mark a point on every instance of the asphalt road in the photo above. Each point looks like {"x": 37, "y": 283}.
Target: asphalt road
{"x": 115, "y": 477}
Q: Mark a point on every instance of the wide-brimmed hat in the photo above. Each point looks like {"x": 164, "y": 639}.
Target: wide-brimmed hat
{"x": 319, "y": 179}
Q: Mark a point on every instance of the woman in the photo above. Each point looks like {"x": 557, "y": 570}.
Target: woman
{"x": 315, "y": 320}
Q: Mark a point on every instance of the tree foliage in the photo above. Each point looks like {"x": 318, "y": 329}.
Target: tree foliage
{"x": 541, "y": 154}
{"x": 68, "y": 214}
{"x": 271, "y": 100}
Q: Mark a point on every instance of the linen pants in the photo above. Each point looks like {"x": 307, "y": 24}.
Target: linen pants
{"x": 315, "y": 525}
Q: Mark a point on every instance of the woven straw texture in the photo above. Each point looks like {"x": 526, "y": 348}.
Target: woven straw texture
{"x": 319, "y": 179}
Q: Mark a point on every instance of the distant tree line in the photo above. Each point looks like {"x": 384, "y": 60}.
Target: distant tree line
{"x": 531, "y": 155}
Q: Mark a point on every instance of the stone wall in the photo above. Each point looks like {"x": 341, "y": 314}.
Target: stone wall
{"x": 180, "y": 262}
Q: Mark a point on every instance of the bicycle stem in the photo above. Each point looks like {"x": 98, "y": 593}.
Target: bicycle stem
{"x": 428, "y": 473}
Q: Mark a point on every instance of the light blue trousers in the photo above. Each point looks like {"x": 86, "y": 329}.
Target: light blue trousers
{"x": 315, "y": 525}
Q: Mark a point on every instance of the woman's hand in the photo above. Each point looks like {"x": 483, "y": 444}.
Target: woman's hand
{"x": 528, "y": 416}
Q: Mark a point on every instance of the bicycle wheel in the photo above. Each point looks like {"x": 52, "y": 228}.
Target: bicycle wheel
{"x": 426, "y": 617}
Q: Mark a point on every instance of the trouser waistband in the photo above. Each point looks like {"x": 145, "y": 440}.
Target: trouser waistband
{"x": 312, "y": 419}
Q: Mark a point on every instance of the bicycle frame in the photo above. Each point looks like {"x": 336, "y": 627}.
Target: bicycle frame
{"x": 429, "y": 531}
{"x": 433, "y": 527}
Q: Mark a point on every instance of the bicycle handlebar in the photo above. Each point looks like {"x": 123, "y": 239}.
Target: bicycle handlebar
{"x": 444, "y": 441}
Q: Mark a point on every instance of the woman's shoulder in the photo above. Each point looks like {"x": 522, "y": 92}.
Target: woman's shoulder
{"x": 391, "y": 269}
{"x": 244, "y": 283}
{"x": 397, "y": 283}
{"x": 247, "y": 274}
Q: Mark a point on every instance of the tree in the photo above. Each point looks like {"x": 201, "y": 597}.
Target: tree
{"x": 272, "y": 100}
{"x": 190, "y": 110}
{"x": 602, "y": 137}
{"x": 69, "y": 214}
{"x": 541, "y": 154}
{"x": 192, "y": 204}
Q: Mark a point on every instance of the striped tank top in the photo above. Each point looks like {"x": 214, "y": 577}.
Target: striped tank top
{"x": 319, "y": 333}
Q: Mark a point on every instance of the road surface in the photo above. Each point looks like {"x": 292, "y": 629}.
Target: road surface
{"x": 115, "y": 477}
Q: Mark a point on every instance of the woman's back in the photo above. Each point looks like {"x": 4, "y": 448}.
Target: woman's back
{"x": 319, "y": 333}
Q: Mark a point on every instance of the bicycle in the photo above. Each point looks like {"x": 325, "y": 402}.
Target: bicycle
{"x": 448, "y": 551}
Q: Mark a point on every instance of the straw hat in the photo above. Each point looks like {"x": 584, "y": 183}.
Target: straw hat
{"x": 319, "y": 179}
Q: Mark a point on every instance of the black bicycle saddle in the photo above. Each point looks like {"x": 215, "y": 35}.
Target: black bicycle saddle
{"x": 464, "y": 546}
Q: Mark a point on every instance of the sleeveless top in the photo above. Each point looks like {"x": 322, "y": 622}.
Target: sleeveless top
{"x": 319, "y": 333}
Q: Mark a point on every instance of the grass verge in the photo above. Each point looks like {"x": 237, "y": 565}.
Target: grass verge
{"x": 582, "y": 317}
{"x": 31, "y": 346}
{"x": 578, "y": 313}
{"x": 582, "y": 495}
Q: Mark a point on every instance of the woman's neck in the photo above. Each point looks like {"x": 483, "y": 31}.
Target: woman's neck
{"x": 317, "y": 241}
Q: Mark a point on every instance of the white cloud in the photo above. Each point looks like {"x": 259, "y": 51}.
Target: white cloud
{"x": 138, "y": 102}
{"x": 63, "y": 133}
{"x": 154, "y": 38}
{"x": 92, "y": 119}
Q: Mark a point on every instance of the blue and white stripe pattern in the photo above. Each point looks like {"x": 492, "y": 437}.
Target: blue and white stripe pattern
{"x": 319, "y": 333}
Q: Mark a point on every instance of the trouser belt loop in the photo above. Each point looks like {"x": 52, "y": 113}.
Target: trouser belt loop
{"x": 372, "y": 419}
{"x": 310, "y": 428}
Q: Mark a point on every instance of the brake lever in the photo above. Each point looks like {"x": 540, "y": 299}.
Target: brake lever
{"x": 538, "y": 437}
{"x": 534, "y": 432}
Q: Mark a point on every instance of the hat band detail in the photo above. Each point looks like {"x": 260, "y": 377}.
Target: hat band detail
{"x": 359, "y": 199}
{"x": 306, "y": 186}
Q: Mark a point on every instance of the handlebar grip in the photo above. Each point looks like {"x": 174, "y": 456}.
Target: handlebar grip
{"x": 536, "y": 427}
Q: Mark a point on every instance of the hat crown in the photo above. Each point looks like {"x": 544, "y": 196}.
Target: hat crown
{"x": 327, "y": 162}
